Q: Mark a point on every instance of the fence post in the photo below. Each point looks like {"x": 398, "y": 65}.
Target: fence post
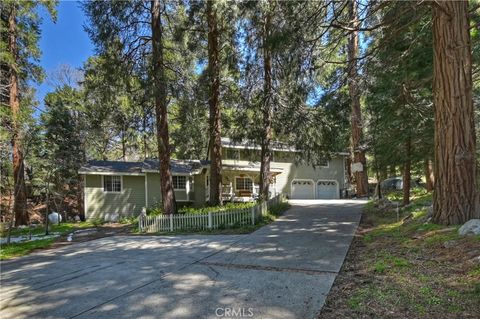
{"x": 252, "y": 211}
{"x": 171, "y": 222}
{"x": 141, "y": 219}
{"x": 210, "y": 222}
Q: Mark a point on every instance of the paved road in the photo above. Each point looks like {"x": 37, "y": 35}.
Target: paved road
{"x": 283, "y": 270}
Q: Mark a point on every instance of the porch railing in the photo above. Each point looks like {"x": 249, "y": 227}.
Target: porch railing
{"x": 208, "y": 221}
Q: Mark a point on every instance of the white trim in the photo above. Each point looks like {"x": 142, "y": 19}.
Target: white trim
{"x": 328, "y": 180}
{"x": 146, "y": 191}
{"x": 85, "y": 207}
{"x": 111, "y": 173}
{"x": 187, "y": 188}
{"x": 303, "y": 179}
{"x": 112, "y": 192}
{"x": 196, "y": 172}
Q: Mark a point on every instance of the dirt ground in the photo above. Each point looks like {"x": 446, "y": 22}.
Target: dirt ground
{"x": 411, "y": 273}
{"x": 105, "y": 230}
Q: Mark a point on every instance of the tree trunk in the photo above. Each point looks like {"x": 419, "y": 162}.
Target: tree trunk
{"x": 429, "y": 178}
{"x": 455, "y": 192}
{"x": 124, "y": 146}
{"x": 215, "y": 108}
{"x": 406, "y": 171}
{"x": 266, "y": 153}
{"x": 20, "y": 192}
{"x": 361, "y": 178}
{"x": 160, "y": 94}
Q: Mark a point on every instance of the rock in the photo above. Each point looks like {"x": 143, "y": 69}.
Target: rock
{"x": 77, "y": 218}
{"x": 472, "y": 227}
{"x": 450, "y": 243}
{"x": 54, "y": 218}
{"x": 475, "y": 260}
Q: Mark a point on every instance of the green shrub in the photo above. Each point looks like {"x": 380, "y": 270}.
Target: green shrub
{"x": 97, "y": 221}
{"x": 155, "y": 211}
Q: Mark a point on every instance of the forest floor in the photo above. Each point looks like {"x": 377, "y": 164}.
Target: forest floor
{"x": 402, "y": 266}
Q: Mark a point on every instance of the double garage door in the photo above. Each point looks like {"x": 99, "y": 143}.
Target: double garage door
{"x": 308, "y": 189}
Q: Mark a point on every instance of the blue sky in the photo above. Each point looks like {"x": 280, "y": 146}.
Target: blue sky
{"x": 63, "y": 42}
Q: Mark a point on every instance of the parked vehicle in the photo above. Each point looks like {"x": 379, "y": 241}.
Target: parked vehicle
{"x": 396, "y": 183}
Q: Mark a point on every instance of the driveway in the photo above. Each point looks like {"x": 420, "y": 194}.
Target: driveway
{"x": 283, "y": 270}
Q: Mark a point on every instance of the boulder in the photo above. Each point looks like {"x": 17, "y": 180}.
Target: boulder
{"x": 475, "y": 260}
{"x": 472, "y": 227}
{"x": 54, "y": 218}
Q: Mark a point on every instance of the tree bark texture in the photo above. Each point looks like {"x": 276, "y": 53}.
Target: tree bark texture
{"x": 20, "y": 192}
{"x": 429, "y": 178}
{"x": 214, "y": 105}
{"x": 406, "y": 171}
{"x": 361, "y": 178}
{"x": 160, "y": 96}
{"x": 455, "y": 191}
{"x": 267, "y": 111}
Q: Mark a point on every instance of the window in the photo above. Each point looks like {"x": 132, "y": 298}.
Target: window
{"x": 112, "y": 184}
{"x": 323, "y": 163}
{"x": 179, "y": 182}
{"x": 243, "y": 184}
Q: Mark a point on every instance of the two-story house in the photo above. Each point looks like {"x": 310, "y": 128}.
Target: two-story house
{"x": 115, "y": 188}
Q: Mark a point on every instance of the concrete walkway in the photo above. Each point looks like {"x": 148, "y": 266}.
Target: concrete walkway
{"x": 283, "y": 270}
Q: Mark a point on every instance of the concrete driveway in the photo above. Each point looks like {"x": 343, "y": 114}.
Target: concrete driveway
{"x": 283, "y": 270}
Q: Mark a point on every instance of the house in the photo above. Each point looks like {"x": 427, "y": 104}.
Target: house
{"x": 115, "y": 188}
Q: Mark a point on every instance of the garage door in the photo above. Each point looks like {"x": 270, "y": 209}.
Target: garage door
{"x": 327, "y": 190}
{"x": 302, "y": 189}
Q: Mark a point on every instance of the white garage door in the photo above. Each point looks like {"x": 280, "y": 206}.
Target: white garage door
{"x": 302, "y": 189}
{"x": 327, "y": 190}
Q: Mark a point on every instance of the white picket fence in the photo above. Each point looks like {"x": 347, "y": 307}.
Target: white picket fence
{"x": 211, "y": 220}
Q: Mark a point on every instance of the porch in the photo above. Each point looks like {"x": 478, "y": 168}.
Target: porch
{"x": 241, "y": 183}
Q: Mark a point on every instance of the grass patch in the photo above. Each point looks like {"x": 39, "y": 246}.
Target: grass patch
{"x": 17, "y": 249}
{"x": 40, "y": 229}
{"x": 402, "y": 266}
{"x": 20, "y": 249}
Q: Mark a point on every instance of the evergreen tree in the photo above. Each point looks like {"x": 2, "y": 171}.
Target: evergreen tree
{"x": 20, "y": 32}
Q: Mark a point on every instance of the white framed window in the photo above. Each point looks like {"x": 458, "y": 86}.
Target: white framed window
{"x": 112, "y": 183}
{"x": 243, "y": 184}
{"x": 324, "y": 163}
{"x": 179, "y": 182}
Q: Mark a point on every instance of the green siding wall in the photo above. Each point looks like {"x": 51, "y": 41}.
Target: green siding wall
{"x": 154, "y": 192}
{"x": 335, "y": 171}
{"x": 112, "y": 206}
